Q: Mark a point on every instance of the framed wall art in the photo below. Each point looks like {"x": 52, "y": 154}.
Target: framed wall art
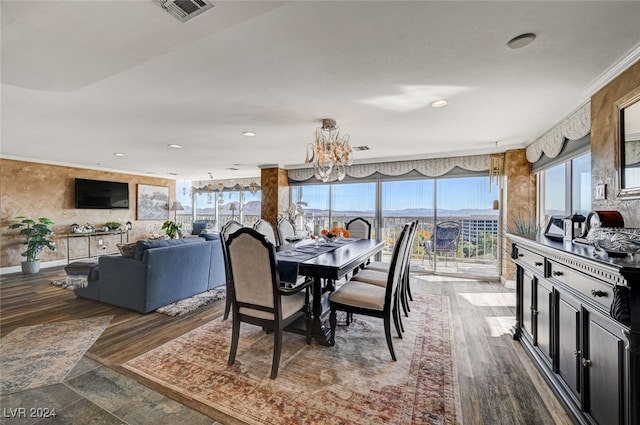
{"x": 152, "y": 202}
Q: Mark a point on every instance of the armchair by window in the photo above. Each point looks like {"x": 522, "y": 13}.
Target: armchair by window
{"x": 444, "y": 240}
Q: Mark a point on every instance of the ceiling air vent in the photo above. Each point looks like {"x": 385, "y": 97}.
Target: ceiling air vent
{"x": 184, "y": 10}
{"x": 361, "y": 148}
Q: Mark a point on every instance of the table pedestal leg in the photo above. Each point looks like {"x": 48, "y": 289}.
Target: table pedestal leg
{"x": 318, "y": 331}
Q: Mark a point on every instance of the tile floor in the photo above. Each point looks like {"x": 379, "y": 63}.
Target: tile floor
{"x": 94, "y": 394}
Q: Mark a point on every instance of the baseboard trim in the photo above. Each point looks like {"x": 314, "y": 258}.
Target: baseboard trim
{"x": 18, "y": 269}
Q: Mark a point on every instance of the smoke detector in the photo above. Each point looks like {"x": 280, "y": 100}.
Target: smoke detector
{"x": 184, "y": 10}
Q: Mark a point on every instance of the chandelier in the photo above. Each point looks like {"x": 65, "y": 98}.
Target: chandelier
{"x": 330, "y": 152}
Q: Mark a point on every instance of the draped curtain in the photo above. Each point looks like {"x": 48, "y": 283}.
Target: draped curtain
{"x": 427, "y": 167}
{"x": 574, "y": 127}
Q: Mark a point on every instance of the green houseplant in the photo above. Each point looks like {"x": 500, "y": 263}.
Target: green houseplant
{"x": 113, "y": 225}
{"x": 171, "y": 228}
{"x": 36, "y": 235}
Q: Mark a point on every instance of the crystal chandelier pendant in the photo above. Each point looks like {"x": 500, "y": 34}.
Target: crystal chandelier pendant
{"x": 330, "y": 153}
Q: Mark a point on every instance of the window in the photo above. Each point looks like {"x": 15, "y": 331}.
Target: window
{"x": 565, "y": 188}
{"x": 390, "y": 203}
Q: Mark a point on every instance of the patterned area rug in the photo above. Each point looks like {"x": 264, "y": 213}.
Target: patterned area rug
{"x": 354, "y": 382}
{"x": 193, "y": 303}
{"x": 36, "y": 356}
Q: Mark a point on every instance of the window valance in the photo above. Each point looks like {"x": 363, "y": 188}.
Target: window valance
{"x": 251, "y": 184}
{"x": 427, "y": 167}
{"x": 574, "y": 127}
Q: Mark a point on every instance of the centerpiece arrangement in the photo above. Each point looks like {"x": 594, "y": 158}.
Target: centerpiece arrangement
{"x": 330, "y": 234}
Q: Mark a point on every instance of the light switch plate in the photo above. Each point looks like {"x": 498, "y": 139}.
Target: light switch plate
{"x": 601, "y": 192}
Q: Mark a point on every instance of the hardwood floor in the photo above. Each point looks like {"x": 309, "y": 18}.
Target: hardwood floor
{"x": 497, "y": 382}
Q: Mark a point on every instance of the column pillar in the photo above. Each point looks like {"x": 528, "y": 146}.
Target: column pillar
{"x": 274, "y": 184}
{"x": 519, "y": 199}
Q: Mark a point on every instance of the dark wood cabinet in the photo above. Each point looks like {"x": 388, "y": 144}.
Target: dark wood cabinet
{"x": 569, "y": 362}
{"x": 590, "y": 360}
{"x": 603, "y": 370}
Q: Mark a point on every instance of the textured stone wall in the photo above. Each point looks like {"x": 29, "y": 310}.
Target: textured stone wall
{"x": 40, "y": 190}
{"x": 275, "y": 193}
{"x": 603, "y": 145}
{"x": 520, "y": 202}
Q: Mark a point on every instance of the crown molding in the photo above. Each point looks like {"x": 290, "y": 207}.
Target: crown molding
{"x": 614, "y": 70}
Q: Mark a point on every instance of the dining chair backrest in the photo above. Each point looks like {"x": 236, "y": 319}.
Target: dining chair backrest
{"x": 265, "y": 228}
{"x": 396, "y": 265}
{"x": 285, "y": 230}
{"x": 359, "y": 228}
{"x": 228, "y": 229}
{"x": 252, "y": 268}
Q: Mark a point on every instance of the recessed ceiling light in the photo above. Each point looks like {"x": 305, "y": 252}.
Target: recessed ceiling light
{"x": 174, "y": 146}
{"x": 248, "y": 134}
{"x": 439, "y": 103}
{"x": 119, "y": 154}
{"x": 521, "y": 41}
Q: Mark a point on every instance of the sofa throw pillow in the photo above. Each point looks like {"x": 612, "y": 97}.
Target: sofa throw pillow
{"x": 127, "y": 250}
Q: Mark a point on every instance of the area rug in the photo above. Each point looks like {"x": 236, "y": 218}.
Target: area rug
{"x": 193, "y": 303}
{"x": 40, "y": 355}
{"x": 354, "y": 382}
{"x": 178, "y": 308}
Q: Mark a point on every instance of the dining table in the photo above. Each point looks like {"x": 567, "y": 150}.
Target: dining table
{"x": 324, "y": 263}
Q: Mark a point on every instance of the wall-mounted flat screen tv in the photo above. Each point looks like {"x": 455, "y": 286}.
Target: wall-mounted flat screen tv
{"x": 99, "y": 194}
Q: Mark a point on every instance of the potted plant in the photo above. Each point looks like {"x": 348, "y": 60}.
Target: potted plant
{"x": 36, "y": 235}
{"x": 112, "y": 225}
{"x": 171, "y": 228}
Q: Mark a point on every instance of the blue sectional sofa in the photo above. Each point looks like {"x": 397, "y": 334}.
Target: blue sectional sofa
{"x": 161, "y": 272}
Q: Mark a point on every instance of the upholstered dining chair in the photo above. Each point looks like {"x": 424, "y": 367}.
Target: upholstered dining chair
{"x": 359, "y": 228}
{"x": 265, "y": 228}
{"x": 383, "y": 266}
{"x": 285, "y": 230}
{"x": 229, "y": 228}
{"x": 377, "y": 274}
{"x": 258, "y": 296}
{"x": 371, "y": 300}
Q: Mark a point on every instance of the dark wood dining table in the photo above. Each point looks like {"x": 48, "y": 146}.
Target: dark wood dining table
{"x": 329, "y": 266}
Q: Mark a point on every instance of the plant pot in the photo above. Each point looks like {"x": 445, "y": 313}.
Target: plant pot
{"x": 30, "y": 267}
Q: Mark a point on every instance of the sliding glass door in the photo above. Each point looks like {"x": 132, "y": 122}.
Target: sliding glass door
{"x": 467, "y": 226}
{"x": 402, "y": 202}
{"x": 457, "y": 225}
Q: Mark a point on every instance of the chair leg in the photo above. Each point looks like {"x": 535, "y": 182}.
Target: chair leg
{"x": 277, "y": 349}
{"x": 409, "y": 287}
{"x": 235, "y": 336}
{"x": 403, "y": 298}
{"x": 397, "y": 321}
{"x": 307, "y": 316}
{"x": 333, "y": 322}
{"x": 227, "y": 306}
{"x": 387, "y": 333}
{"x": 397, "y": 317}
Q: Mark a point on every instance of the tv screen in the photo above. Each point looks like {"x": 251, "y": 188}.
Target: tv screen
{"x": 98, "y": 194}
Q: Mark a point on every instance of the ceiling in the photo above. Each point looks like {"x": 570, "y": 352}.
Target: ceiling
{"x": 82, "y": 80}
